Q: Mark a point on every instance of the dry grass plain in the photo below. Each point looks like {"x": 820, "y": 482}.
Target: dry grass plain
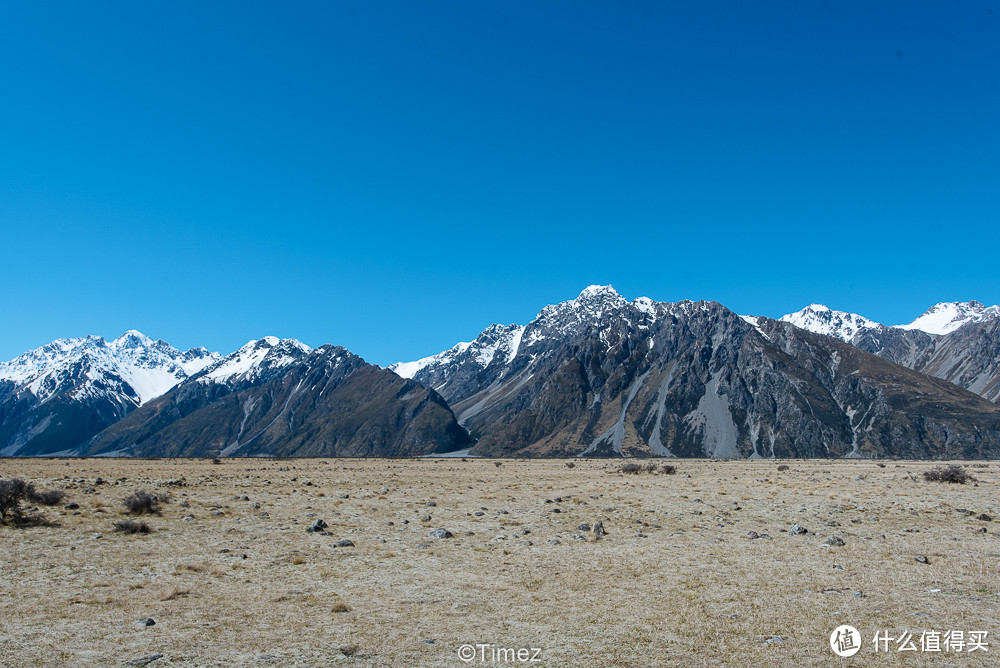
{"x": 242, "y": 583}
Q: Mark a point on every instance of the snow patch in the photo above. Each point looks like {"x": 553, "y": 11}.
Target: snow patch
{"x": 946, "y": 317}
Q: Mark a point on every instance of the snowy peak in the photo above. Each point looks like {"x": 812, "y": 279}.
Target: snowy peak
{"x": 821, "y": 319}
{"x": 148, "y": 367}
{"x": 132, "y": 339}
{"x": 254, "y": 359}
{"x": 946, "y": 317}
{"x": 496, "y": 340}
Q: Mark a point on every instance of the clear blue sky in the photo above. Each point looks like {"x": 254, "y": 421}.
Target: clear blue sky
{"x": 393, "y": 177}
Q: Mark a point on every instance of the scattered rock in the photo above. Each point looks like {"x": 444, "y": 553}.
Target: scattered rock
{"x": 425, "y": 518}
{"x": 71, "y": 506}
{"x": 752, "y": 535}
{"x": 479, "y": 513}
{"x": 317, "y": 525}
{"x": 583, "y": 527}
{"x": 984, "y": 517}
{"x": 440, "y": 533}
{"x": 555, "y": 541}
{"x": 797, "y": 530}
{"x": 922, "y": 559}
{"x": 144, "y": 661}
{"x": 834, "y": 541}
{"x": 148, "y": 621}
{"x": 965, "y": 511}
{"x": 597, "y": 531}
{"x": 527, "y": 543}
{"x": 431, "y": 504}
{"x": 981, "y": 530}
{"x": 344, "y": 542}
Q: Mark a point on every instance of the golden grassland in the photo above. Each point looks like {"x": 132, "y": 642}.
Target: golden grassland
{"x": 231, "y": 577}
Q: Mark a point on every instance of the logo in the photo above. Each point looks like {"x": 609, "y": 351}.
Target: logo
{"x": 845, "y": 640}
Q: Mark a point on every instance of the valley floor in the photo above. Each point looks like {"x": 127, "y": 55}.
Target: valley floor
{"x": 231, "y": 576}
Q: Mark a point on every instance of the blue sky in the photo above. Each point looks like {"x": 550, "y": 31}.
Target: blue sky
{"x": 393, "y": 177}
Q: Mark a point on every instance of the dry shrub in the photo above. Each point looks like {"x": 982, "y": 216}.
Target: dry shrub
{"x": 50, "y": 497}
{"x": 143, "y": 503}
{"x": 631, "y": 467}
{"x": 340, "y": 606}
{"x": 952, "y": 473}
{"x": 12, "y": 493}
{"x": 131, "y": 526}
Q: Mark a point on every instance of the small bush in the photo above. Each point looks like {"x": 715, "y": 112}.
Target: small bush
{"x": 498, "y": 464}
{"x": 142, "y": 503}
{"x": 50, "y": 497}
{"x": 953, "y": 473}
{"x": 131, "y": 526}
{"x": 13, "y": 493}
{"x": 216, "y": 460}
{"x": 668, "y": 469}
{"x": 632, "y": 467}
{"x": 570, "y": 465}
{"x": 783, "y": 467}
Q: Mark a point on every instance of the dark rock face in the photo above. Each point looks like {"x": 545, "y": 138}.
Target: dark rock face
{"x": 601, "y": 376}
{"x": 284, "y": 400}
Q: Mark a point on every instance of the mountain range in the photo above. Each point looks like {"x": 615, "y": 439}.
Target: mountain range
{"x": 597, "y": 375}
{"x": 600, "y": 375}
{"x": 957, "y": 341}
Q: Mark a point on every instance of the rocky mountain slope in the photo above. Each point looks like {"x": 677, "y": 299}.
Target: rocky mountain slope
{"x": 279, "y": 398}
{"x": 56, "y": 397}
{"x": 955, "y": 341}
{"x": 599, "y": 375}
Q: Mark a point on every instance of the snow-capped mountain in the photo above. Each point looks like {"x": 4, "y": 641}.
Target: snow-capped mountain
{"x": 603, "y": 376}
{"x": 955, "y": 341}
{"x": 61, "y": 394}
{"x": 279, "y": 398}
{"x": 823, "y": 320}
{"x": 497, "y": 344}
{"x": 946, "y": 317}
{"x": 940, "y": 319}
{"x": 255, "y": 359}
